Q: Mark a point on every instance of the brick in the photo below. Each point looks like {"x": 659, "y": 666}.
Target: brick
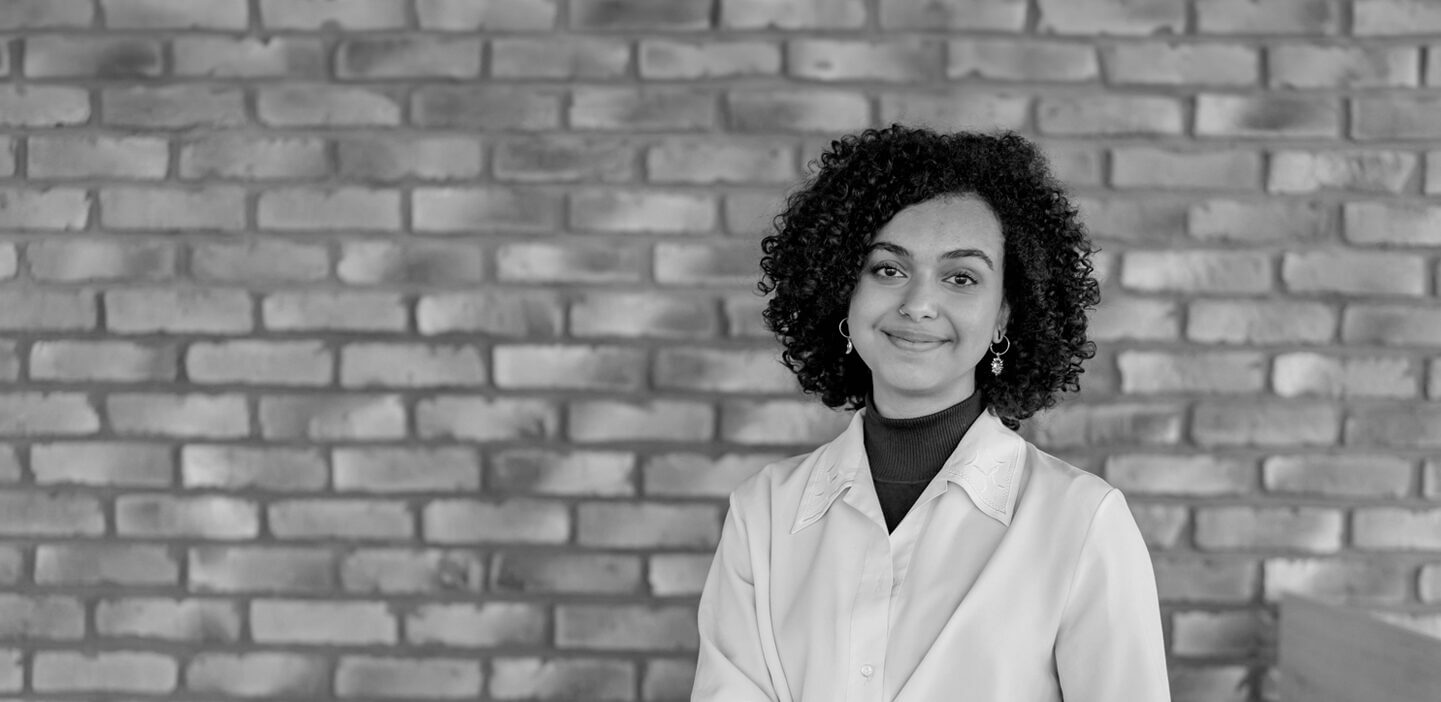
{"x": 39, "y": 14}
{"x": 468, "y": 210}
{"x": 1354, "y": 272}
{"x": 1430, "y": 586}
{"x": 1310, "y": 374}
{"x": 1398, "y": 426}
{"x": 1359, "y": 171}
{"x": 647, "y": 15}
{"x": 499, "y": 312}
{"x": 485, "y": 419}
{"x": 51, "y": 208}
{"x": 369, "y": 676}
{"x": 1149, "y": 220}
{"x": 423, "y": 263}
{"x": 410, "y": 365}
{"x": 102, "y": 463}
{"x": 584, "y": 261}
{"x": 698, "y": 475}
{"x": 1240, "y": 633}
{"x": 678, "y": 574}
{"x": 239, "y": 467}
{"x": 722, "y": 370}
{"x": 1076, "y": 164}
{"x": 1433, "y": 66}
{"x": 396, "y": 570}
{"x": 333, "y": 417}
{"x": 400, "y": 158}
{"x": 1344, "y": 67}
{"x": 665, "y": 108}
{"x": 1126, "y": 423}
{"x": 96, "y": 157}
{"x": 647, "y": 526}
{"x": 1136, "y": 318}
{"x": 1261, "y": 221}
{"x": 625, "y": 627}
{"x": 1363, "y": 475}
{"x": 503, "y": 15}
{"x": 83, "y": 261}
{"x": 569, "y": 367}
{"x": 50, "y": 56}
{"x": 751, "y": 214}
{"x": 40, "y": 617}
{"x": 110, "y": 564}
{"x": 1231, "y": 683}
{"x": 9, "y": 370}
{"x": 515, "y": 520}
{"x": 47, "y": 413}
{"x": 326, "y": 105}
{"x": 798, "y": 110}
{"x": 1163, "y": 474}
{"x": 782, "y": 422}
{"x": 335, "y": 518}
{"x": 1260, "y": 322}
{"x": 406, "y": 57}
{"x": 666, "y": 58}
{"x": 1197, "y": 271}
{"x": 348, "y": 208}
{"x": 1109, "y": 115}
{"x": 169, "y": 209}
{"x": 257, "y": 260}
{"x": 173, "y": 106}
{"x": 169, "y": 619}
{"x": 339, "y": 311}
{"x": 248, "y": 57}
{"x": 1398, "y": 224}
{"x": 566, "y": 573}
{"x": 644, "y": 211}
{"x": 1141, "y": 167}
{"x": 1161, "y": 525}
{"x": 8, "y": 147}
{"x": 489, "y": 107}
{"x": 41, "y": 514}
{"x": 800, "y": 14}
{"x": 1349, "y": 580}
{"x": 1162, "y": 63}
{"x": 260, "y": 362}
{"x": 110, "y": 671}
{"x": 1311, "y": 529}
{"x": 1395, "y": 117}
{"x": 357, "y": 15}
{"x": 562, "y": 678}
{"x": 642, "y": 315}
{"x": 1433, "y": 164}
{"x": 899, "y": 60}
{"x": 489, "y": 625}
{"x": 565, "y": 159}
{"x": 1393, "y": 528}
{"x": 178, "y": 310}
{"x": 176, "y": 14}
{"x": 246, "y": 157}
{"x": 1395, "y": 17}
{"x": 1308, "y": 17}
{"x": 1266, "y": 423}
{"x": 654, "y": 420}
{"x": 1191, "y": 579}
{"x": 1120, "y": 17}
{"x": 258, "y": 674}
{"x": 1391, "y": 325}
{"x": 1277, "y": 115}
{"x": 208, "y": 517}
{"x": 978, "y": 112}
{"x": 1433, "y": 389}
{"x": 102, "y": 361}
{"x": 1020, "y": 60}
{"x": 232, "y": 569}
{"x": 712, "y": 161}
{"x": 732, "y": 263}
{"x": 43, "y": 106}
{"x": 406, "y": 470}
{"x": 308, "y": 621}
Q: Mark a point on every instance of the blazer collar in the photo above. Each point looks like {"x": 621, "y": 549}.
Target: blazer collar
{"x": 986, "y": 464}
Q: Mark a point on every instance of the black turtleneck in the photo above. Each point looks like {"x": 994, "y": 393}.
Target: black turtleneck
{"x": 906, "y": 454}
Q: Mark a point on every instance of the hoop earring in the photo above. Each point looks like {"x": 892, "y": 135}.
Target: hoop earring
{"x": 997, "y": 365}
{"x": 842, "y": 328}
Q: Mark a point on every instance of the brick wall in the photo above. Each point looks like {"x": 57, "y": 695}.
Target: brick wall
{"x": 407, "y": 348}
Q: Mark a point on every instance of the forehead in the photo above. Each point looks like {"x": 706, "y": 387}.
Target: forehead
{"x": 944, "y": 224}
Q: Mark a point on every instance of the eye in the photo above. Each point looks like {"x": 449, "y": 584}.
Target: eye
{"x": 962, "y": 279}
{"x": 886, "y": 270}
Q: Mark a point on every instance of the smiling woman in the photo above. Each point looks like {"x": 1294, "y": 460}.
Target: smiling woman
{"x": 929, "y": 552}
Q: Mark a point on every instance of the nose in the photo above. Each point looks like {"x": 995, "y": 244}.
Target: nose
{"x": 919, "y": 301}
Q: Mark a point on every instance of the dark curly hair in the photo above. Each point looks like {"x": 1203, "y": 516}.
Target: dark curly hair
{"x": 812, "y": 261}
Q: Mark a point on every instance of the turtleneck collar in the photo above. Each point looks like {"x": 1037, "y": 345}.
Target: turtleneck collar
{"x": 914, "y": 449}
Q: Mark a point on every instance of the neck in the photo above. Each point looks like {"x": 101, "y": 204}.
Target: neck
{"x": 894, "y": 406}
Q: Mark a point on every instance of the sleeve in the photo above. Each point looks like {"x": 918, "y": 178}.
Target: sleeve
{"x": 731, "y": 666}
{"x": 1110, "y": 645}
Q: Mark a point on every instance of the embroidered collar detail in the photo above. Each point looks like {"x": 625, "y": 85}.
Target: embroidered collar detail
{"x": 985, "y": 464}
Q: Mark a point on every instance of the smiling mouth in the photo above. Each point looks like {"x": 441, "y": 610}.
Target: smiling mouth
{"x": 912, "y": 342}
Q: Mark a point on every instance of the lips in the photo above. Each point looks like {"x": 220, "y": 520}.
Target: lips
{"x": 914, "y": 340}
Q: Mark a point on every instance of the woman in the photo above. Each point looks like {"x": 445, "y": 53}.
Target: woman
{"x": 939, "y": 284}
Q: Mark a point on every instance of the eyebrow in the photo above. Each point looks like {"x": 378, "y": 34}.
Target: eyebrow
{"x": 954, "y": 253}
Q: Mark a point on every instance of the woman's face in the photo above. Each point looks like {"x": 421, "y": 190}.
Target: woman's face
{"x": 928, "y": 303}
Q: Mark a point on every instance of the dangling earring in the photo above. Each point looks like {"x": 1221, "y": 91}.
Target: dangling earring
{"x": 996, "y": 364}
{"x": 842, "y": 327}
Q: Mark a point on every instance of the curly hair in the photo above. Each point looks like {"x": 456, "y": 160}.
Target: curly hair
{"x": 812, "y": 260}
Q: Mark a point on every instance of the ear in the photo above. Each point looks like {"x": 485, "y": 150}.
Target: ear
{"x": 1003, "y": 319}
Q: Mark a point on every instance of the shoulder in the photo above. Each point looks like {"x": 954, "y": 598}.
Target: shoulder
{"x": 772, "y": 482}
{"x": 1056, "y": 487}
